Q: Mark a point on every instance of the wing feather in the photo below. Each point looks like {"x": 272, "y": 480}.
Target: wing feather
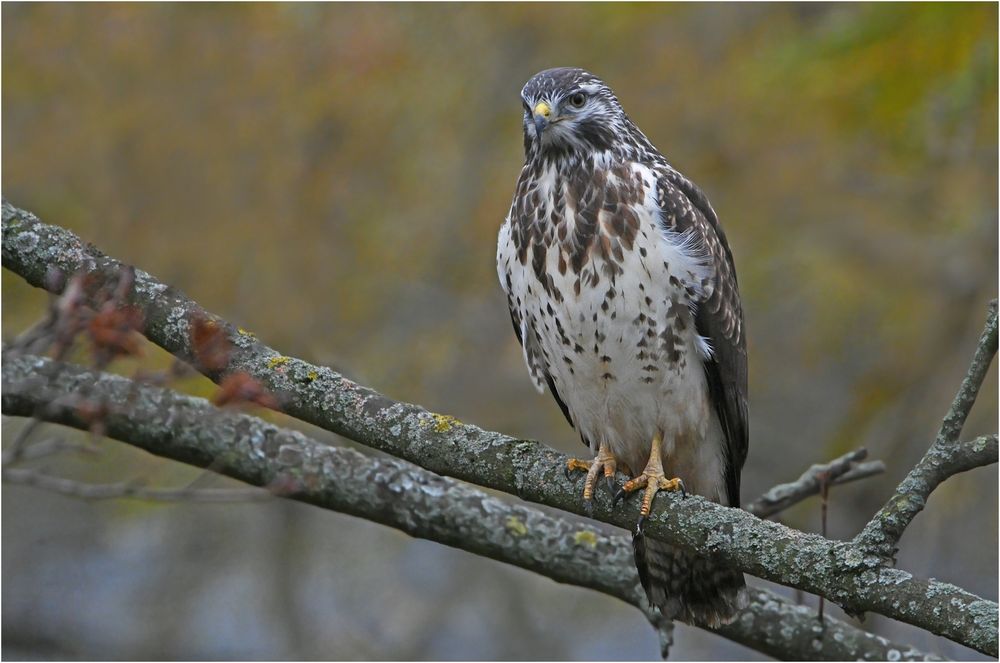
{"x": 525, "y": 337}
{"x": 718, "y": 318}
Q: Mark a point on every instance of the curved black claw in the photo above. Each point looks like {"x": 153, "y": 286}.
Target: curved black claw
{"x": 619, "y": 496}
{"x": 640, "y": 524}
{"x": 566, "y": 472}
{"x": 610, "y": 483}
{"x": 588, "y": 506}
{"x": 684, "y": 492}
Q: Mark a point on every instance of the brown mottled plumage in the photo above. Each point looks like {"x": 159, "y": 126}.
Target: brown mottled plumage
{"x": 622, "y": 291}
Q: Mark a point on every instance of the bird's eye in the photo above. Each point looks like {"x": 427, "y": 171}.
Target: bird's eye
{"x": 578, "y": 100}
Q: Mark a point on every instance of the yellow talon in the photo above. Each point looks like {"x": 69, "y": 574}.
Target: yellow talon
{"x": 652, "y": 479}
{"x": 604, "y": 460}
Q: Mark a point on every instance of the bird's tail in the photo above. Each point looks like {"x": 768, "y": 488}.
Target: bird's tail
{"x": 686, "y": 586}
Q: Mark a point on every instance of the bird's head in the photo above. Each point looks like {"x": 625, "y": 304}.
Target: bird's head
{"x": 568, "y": 110}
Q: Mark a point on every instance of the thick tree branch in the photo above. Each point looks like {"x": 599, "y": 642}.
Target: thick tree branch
{"x": 945, "y": 457}
{"x": 403, "y": 496}
{"x": 840, "y": 571}
{"x": 840, "y": 470}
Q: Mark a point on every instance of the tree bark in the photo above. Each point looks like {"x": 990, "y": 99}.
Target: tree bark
{"x": 400, "y": 495}
{"x": 847, "y": 573}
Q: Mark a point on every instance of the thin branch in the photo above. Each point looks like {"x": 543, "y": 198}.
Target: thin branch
{"x": 135, "y": 490}
{"x": 840, "y": 470}
{"x": 861, "y": 471}
{"x": 51, "y": 446}
{"x": 841, "y": 571}
{"x": 15, "y": 450}
{"x": 943, "y": 459}
{"x": 986, "y": 349}
{"x": 395, "y": 493}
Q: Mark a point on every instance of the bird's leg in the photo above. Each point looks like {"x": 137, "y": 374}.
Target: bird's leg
{"x": 605, "y": 461}
{"x": 652, "y": 479}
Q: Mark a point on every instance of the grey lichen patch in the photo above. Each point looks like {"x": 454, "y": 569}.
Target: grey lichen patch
{"x": 434, "y": 489}
{"x": 290, "y": 455}
{"x": 893, "y": 576}
{"x": 148, "y": 286}
{"x": 177, "y": 328}
{"x": 718, "y": 538}
{"x": 939, "y": 589}
{"x": 853, "y": 557}
{"x": 244, "y": 340}
{"x": 26, "y": 241}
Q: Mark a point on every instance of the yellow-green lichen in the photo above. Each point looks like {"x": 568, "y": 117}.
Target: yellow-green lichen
{"x": 515, "y": 526}
{"x": 246, "y": 332}
{"x": 312, "y": 375}
{"x": 274, "y": 362}
{"x": 585, "y": 538}
{"x": 442, "y": 422}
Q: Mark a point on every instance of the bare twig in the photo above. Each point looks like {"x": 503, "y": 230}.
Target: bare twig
{"x": 824, "y": 496}
{"x": 135, "y": 490}
{"x": 54, "y": 445}
{"x": 945, "y": 457}
{"x": 840, "y": 470}
{"x": 841, "y": 571}
{"x": 16, "y": 448}
{"x": 420, "y": 503}
{"x": 951, "y": 427}
{"x": 861, "y": 471}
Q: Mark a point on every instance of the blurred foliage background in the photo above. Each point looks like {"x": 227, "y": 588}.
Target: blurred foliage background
{"x": 332, "y": 177}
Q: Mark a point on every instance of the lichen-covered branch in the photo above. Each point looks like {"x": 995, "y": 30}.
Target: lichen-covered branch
{"x": 839, "y": 470}
{"x": 945, "y": 457}
{"x": 840, "y": 571}
{"x": 403, "y": 496}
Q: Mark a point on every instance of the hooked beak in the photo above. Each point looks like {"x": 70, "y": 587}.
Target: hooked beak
{"x": 541, "y": 116}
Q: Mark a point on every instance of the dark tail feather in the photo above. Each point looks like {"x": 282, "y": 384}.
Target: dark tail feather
{"x": 686, "y": 586}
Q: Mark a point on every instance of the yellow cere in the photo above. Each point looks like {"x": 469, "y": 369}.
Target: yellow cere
{"x": 543, "y": 109}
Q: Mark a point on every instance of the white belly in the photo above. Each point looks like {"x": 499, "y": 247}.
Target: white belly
{"x": 622, "y": 351}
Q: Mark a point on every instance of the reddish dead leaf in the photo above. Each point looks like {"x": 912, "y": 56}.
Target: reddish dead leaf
{"x": 284, "y": 485}
{"x": 113, "y": 331}
{"x": 74, "y": 295}
{"x": 242, "y": 388}
{"x": 210, "y": 344}
{"x": 68, "y": 312}
{"x": 93, "y": 413}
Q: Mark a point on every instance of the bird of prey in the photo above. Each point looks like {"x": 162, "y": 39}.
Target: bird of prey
{"x": 623, "y": 294}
